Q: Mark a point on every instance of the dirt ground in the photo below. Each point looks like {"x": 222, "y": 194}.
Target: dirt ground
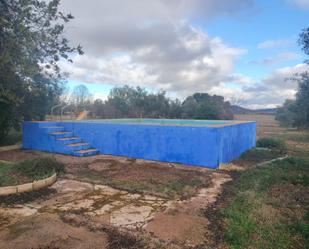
{"x": 159, "y": 204}
{"x": 116, "y": 202}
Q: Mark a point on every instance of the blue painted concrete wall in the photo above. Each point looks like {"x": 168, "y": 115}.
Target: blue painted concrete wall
{"x": 34, "y": 137}
{"x": 194, "y": 145}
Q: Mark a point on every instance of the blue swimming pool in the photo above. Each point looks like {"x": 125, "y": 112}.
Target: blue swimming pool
{"x": 204, "y": 143}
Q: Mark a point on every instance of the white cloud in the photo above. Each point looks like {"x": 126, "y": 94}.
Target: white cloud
{"x": 100, "y": 95}
{"x": 279, "y": 58}
{"x": 302, "y": 4}
{"x": 185, "y": 76}
{"x": 155, "y": 47}
{"x": 270, "y": 92}
{"x": 108, "y": 70}
{"x": 275, "y": 43}
{"x": 281, "y": 78}
{"x": 152, "y": 44}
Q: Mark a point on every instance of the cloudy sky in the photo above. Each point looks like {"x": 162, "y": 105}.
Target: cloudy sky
{"x": 243, "y": 50}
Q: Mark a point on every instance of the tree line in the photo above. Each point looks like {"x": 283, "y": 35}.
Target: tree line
{"x": 136, "y": 102}
{"x": 295, "y": 112}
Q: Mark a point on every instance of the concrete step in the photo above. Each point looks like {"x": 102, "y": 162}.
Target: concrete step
{"x": 69, "y": 140}
{"x": 62, "y": 134}
{"x": 88, "y": 152}
{"x": 79, "y": 146}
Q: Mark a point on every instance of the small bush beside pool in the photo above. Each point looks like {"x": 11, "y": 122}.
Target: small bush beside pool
{"x": 271, "y": 143}
{"x": 28, "y": 171}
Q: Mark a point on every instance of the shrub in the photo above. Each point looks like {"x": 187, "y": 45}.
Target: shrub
{"x": 258, "y": 156}
{"x": 28, "y": 170}
{"x": 38, "y": 168}
{"x": 12, "y": 138}
{"x": 271, "y": 143}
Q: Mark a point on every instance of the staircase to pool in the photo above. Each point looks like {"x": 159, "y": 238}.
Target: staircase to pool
{"x": 65, "y": 142}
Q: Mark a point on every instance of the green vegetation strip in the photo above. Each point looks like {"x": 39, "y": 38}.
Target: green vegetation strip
{"x": 271, "y": 143}
{"x": 28, "y": 171}
{"x": 12, "y": 138}
{"x": 271, "y": 207}
{"x": 184, "y": 186}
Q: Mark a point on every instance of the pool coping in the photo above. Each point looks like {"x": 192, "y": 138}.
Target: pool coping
{"x": 28, "y": 187}
{"x": 93, "y": 121}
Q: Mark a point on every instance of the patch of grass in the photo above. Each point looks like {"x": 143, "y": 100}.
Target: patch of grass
{"x": 292, "y": 170}
{"x": 182, "y": 188}
{"x": 173, "y": 189}
{"x": 271, "y": 143}
{"x": 302, "y": 227}
{"x": 296, "y": 137}
{"x": 298, "y": 151}
{"x": 28, "y": 170}
{"x": 252, "y": 221}
{"x": 38, "y": 168}
{"x": 240, "y": 224}
{"x": 5, "y": 169}
{"x": 258, "y": 155}
{"x": 12, "y": 138}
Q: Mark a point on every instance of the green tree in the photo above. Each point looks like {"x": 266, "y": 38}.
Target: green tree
{"x": 98, "y": 109}
{"x": 286, "y": 115}
{"x": 157, "y": 105}
{"x": 304, "y": 41}
{"x": 136, "y": 102}
{"x": 302, "y": 102}
{"x": 175, "y": 109}
{"x": 205, "y": 106}
{"x": 296, "y": 112}
{"x": 119, "y": 98}
{"x": 80, "y": 96}
{"x": 31, "y": 45}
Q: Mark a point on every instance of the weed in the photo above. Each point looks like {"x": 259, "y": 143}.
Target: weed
{"x": 302, "y": 137}
{"x": 240, "y": 224}
{"x": 118, "y": 240}
{"x": 302, "y": 227}
{"x": 252, "y": 221}
{"x": 28, "y": 170}
{"x": 271, "y": 143}
{"x": 12, "y": 138}
{"x": 179, "y": 184}
{"x": 258, "y": 156}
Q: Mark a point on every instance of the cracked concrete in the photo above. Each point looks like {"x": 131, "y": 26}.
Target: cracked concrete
{"x": 122, "y": 208}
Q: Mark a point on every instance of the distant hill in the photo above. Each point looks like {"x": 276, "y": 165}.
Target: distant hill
{"x": 241, "y": 110}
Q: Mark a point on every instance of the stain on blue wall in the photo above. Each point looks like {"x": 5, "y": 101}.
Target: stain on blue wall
{"x": 194, "y": 145}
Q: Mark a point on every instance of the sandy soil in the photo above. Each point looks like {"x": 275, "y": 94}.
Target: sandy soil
{"x": 73, "y": 206}
{"x": 49, "y": 231}
{"x": 177, "y": 222}
{"x": 183, "y": 221}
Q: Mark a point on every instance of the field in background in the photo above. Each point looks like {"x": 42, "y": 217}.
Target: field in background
{"x": 297, "y": 141}
{"x": 266, "y": 124}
